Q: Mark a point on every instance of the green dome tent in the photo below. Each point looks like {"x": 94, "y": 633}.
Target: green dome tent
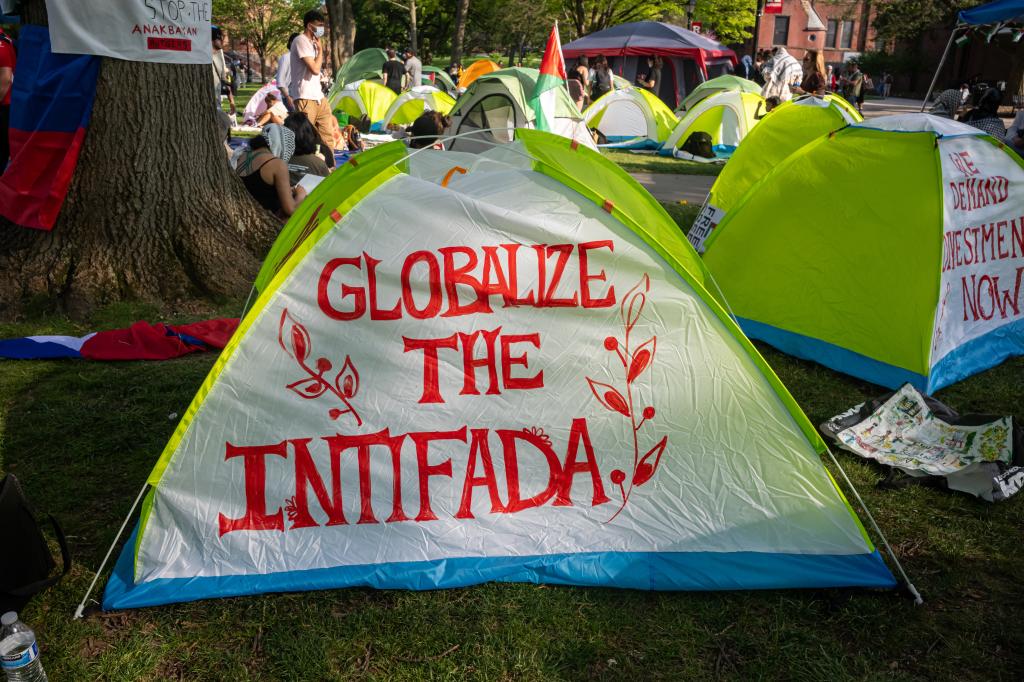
{"x": 497, "y": 103}
{"x": 351, "y": 413}
{"x": 408, "y": 106}
{"x": 727, "y": 83}
{"x": 891, "y": 250}
{"x": 776, "y": 136}
{"x": 439, "y": 79}
{"x": 631, "y": 118}
{"x": 725, "y": 116}
{"x": 365, "y": 99}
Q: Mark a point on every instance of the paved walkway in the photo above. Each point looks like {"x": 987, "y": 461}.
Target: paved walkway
{"x": 673, "y": 188}
{"x": 891, "y": 105}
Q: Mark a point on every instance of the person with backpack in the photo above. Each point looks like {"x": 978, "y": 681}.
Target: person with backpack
{"x": 8, "y": 59}
{"x": 602, "y": 79}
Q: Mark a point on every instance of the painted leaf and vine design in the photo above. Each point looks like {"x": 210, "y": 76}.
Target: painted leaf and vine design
{"x": 293, "y": 337}
{"x": 625, "y": 399}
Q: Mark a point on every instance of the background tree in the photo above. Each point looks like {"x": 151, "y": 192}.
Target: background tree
{"x": 730, "y": 21}
{"x": 153, "y": 211}
{"x": 459, "y": 34}
{"x": 588, "y": 16}
{"x": 343, "y": 31}
{"x": 908, "y": 19}
{"x": 263, "y": 24}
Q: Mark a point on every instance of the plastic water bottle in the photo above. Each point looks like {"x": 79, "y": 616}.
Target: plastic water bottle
{"x": 19, "y": 653}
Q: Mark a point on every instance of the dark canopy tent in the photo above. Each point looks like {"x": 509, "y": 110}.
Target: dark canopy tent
{"x": 689, "y": 58}
{"x": 1000, "y": 13}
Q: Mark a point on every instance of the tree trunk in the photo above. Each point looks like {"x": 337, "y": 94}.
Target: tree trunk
{"x": 343, "y": 31}
{"x": 153, "y": 211}
{"x": 461, "y": 13}
{"x": 413, "y": 38}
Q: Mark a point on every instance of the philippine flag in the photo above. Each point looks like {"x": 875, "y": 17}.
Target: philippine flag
{"x": 51, "y": 102}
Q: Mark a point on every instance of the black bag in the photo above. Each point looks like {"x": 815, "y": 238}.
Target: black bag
{"x": 26, "y": 563}
{"x": 699, "y": 144}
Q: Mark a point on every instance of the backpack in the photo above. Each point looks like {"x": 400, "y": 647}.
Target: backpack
{"x": 26, "y": 563}
{"x": 699, "y": 144}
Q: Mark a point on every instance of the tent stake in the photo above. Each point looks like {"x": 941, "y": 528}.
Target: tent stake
{"x": 918, "y": 600}
{"x": 99, "y": 571}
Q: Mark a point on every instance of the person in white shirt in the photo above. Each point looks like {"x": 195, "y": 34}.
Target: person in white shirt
{"x": 284, "y": 73}
{"x": 413, "y": 68}
{"x": 307, "y": 58}
{"x": 221, "y": 75}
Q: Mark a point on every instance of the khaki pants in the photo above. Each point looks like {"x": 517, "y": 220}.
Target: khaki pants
{"x": 319, "y": 114}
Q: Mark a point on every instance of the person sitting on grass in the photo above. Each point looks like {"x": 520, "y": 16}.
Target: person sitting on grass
{"x": 352, "y": 140}
{"x": 985, "y": 116}
{"x": 427, "y": 130}
{"x": 306, "y": 160}
{"x": 264, "y": 171}
{"x": 276, "y": 111}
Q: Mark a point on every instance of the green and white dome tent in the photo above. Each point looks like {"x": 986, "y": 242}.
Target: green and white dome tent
{"x": 726, "y": 117}
{"x": 411, "y": 104}
{"x": 631, "y": 118}
{"x": 496, "y": 104}
{"x": 365, "y": 99}
{"x": 498, "y": 367}
{"x": 726, "y": 83}
{"x": 891, "y": 250}
{"x": 785, "y": 130}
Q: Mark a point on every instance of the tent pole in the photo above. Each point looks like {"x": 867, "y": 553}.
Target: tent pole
{"x": 99, "y": 571}
{"x": 942, "y": 62}
{"x": 918, "y": 600}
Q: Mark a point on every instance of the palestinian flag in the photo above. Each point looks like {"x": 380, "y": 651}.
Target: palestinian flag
{"x": 552, "y": 75}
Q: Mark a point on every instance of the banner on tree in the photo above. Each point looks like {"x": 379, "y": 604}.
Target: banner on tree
{"x": 167, "y": 31}
{"x": 476, "y": 373}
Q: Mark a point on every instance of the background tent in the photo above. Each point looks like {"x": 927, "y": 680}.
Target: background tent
{"x": 362, "y": 482}
{"x": 716, "y": 85}
{"x": 776, "y": 136}
{"x": 365, "y": 64}
{"x": 999, "y": 13}
{"x": 408, "y": 106}
{"x": 365, "y": 100}
{"x": 727, "y": 117}
{"x": 257, "y": 104}
{"x": 474, "y": 71}
{"x": 689, "y": 58}
{"x": 631, "y": 118}
{"x": 498, "y": 103}
{"x": 891, "y": 250}
{"x": 439, "y": 79}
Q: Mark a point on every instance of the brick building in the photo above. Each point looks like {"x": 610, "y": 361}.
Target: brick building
{"x": 842, "y": 29}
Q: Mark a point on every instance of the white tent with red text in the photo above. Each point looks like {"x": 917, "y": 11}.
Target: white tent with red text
{"x": 498, "y": 367}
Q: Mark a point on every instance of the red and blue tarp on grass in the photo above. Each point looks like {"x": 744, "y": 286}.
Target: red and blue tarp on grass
{"x": 51, "y": 102}
{"x": 141, "y": 341}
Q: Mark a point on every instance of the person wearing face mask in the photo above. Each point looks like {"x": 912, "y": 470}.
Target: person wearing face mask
{"x": 307, "y": 58}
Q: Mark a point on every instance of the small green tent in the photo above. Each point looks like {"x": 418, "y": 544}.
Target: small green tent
{"x": 631, "y": 118}
{"x": 891, "y": 250}
{"x": 776, "y": 136}
{"x": 497, "y": 103}
{"x": 727, "y": 83}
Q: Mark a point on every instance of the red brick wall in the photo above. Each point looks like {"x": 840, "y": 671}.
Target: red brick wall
{"x": 799, "y": 40}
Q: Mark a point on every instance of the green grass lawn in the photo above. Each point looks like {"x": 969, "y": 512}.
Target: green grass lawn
{"x": 652, "y": 163}
{"x": 83, "y": 436}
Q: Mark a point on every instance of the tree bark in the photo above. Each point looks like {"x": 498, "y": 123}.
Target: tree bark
{"x": 459, "y": 35}
{"x": 343, "y": 31}
{"x": 413, "y": 31}
{"x": 153, "y": 211}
